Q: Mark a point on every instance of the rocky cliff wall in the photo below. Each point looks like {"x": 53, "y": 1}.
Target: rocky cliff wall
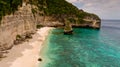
{"x": 20, "y": 23}
{"x": 50, "y": 21}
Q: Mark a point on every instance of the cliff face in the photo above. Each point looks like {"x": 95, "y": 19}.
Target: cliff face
{"x": 21, "y": 23}
{"x": 49, "y": 21}
{"x": 88, "y": 22}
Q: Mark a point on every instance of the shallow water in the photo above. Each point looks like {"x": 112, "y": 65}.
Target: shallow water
{"x": 85, "y": 48}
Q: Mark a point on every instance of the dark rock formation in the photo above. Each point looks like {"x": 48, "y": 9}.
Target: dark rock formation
{"x": 2, "y": 54}
{"x": 68, "y": 32}
{"x": 22, "y": 38}
{"x": 39, "y": 59}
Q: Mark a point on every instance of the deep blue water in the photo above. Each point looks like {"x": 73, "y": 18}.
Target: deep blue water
{"x": 85, "y": 48}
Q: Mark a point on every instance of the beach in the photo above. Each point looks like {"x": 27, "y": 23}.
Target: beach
{"x": 27, "y": 53}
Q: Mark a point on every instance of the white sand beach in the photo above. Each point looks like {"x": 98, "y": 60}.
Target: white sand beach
{"x": 27, "y": 53}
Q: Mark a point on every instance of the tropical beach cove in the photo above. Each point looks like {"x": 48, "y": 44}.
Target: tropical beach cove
{"x": 27, "y": 53}
{"x": 85, "y": 48}
{"x": 59, "y": 33}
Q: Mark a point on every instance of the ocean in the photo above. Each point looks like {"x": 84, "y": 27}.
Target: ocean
{"x": 85, "y": 48}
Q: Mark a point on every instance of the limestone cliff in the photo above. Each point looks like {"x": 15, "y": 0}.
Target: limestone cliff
{"x": 20, "y": 23}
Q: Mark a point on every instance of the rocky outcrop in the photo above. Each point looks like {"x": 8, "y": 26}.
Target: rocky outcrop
{"x": 86, "y": 23}
{"x": 68, "y": 28}
{"x": 22, "y": 22}
{"x": 68, "y": 32}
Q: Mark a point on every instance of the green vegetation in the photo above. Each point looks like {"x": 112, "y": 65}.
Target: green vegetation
{"x": 34, "y": 11}
{"x": 9, "y": 6}
{"x": 18, "y": 37}
{"x": 67, "y": 26}
{"x": 38, "y": 26}
{"x": 64, "y": 10}
{"x": 59, "y": 9}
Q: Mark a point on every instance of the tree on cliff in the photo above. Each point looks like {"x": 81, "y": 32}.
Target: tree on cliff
{"x": 9, "y": 6}
{"x": 55, "y": 8}
{"x": 63, "y": 9}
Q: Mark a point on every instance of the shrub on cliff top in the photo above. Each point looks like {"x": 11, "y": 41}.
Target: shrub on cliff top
{"x": 63, "y": 9}
{"x": 8, "y": 6}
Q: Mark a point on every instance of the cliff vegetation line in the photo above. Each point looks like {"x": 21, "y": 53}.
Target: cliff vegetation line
{"x": 9, "y": 6}
{"x": 62, "y": 9}
{"x": 59, "y": 9}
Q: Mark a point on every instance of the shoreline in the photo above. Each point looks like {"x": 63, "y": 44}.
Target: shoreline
{"x": 43, "y": 50}
{"x": 27, "y": 53}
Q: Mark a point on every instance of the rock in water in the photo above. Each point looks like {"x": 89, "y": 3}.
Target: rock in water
{"x": 39, "y": 59}
{"x": 68, "y": 28}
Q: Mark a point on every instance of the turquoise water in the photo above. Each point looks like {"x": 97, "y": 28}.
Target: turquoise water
{"x": 85, "y": 48}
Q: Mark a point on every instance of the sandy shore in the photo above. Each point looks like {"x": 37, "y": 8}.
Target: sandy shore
{"x": 27, "y": 53}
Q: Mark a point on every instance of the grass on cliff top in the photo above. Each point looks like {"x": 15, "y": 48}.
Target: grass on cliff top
{"x": 61, "y": 8}
{"x": 64, "y": 8}
{"x": 9, "y": 6}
